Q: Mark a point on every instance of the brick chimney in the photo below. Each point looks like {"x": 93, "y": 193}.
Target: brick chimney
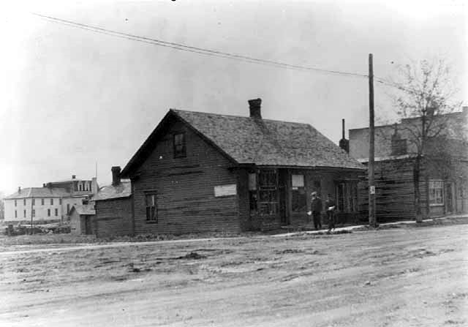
{"x": 255, "y": 108}
{"x": 115, "y": 175}
{"x": 344, "y": 143}
{"x": 19, "y": 189}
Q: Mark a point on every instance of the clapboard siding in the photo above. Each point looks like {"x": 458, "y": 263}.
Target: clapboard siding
{"x": 394, "y": 191}
{"x": 244, "y": 201}
{"x": 184, "y": 188}
{"x": 113, "y": 217}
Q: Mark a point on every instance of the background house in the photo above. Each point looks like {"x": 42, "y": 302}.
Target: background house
{"x": 51, "y": 202}
{"x": 82, "y": 220}
{"x": 444, "y": 170}
{"x": 205, "y": 172}
{"x": 113, "y": 206}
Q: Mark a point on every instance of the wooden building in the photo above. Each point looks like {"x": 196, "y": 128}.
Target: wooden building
{"x": 201, "y": 172}
{"x": 82, "y": 219}
{"x": 444, "y": 168}
{"x": 113, "y": 205}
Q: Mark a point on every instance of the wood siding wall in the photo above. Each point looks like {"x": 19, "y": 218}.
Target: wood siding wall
{"x": 244, "y": 204}
{"x": 321, "y": 181}
{"x": 395, "y": 191}
{"x": 184, "y": 188}
{"x": 113, "y": 217}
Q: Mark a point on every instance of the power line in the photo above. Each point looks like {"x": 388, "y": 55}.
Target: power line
{"x": 192, "y": 49}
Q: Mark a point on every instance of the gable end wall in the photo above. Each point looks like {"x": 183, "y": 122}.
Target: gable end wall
{"x": 184, "y": 188}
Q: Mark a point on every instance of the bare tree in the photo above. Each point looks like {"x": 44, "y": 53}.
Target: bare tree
{"x": 423, "y": 100}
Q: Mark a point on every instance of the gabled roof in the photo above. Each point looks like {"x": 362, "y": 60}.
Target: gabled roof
{"x": 39, "y": 192}
{"x": 110, "y": 192}
{"x": 261, "y": 142}
{"x": 84, "y": 209}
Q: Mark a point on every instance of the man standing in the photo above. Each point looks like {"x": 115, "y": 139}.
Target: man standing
{"x": 316, "y": 210}
{"x": 330, "y": 206}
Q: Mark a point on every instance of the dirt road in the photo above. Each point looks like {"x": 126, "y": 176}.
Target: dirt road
{"x": 407, "y": 276}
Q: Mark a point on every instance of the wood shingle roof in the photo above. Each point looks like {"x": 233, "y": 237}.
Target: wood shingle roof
{"x": 266, "y": 142}
{"x": 255, "y": 141}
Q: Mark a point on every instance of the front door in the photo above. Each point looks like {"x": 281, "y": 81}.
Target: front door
{"x": 282, "y": 187}
{"x": 449, "y": 197}
{"x": 88, "y": 230}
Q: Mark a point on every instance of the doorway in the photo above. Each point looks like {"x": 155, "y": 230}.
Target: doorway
{"x": 449, "y": 196}
{"x": 88, "y": 228}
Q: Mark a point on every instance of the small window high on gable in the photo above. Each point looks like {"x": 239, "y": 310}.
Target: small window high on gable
{"x": 179, "y": 145}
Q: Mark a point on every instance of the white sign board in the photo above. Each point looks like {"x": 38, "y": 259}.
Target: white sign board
{"x": 225, "y": 190}
{"x": 372, "y": 189}
{"x": 297, "y": 181}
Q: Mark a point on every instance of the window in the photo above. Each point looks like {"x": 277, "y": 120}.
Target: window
{"x": 16, "y": 214}
{"x": 263, "y": 192}
{"x": 24, "y": 202}
{"x": 33, "y": 202}
{"x": 60, "y": 201}
{"x": 179, "y": 145}
{"x": 298, "y": 194}
{"x": 56, "y": 212}
{"x": 16, "y": 203}
{"x": 151, "y": 210}
{"x": 42, "y": 201}
{"x": 34, "y": 213}
{"x": 436, "y": 192}
{"x": 268, "y": 192}
{"x": 52, "y": 202}
{"x": 68, "y": 208}
{"x": 48, "y": 212}
{"x": 24, "y": 213}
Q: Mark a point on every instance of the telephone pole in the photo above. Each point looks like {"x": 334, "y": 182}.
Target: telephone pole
{"x": 372, "y": 220}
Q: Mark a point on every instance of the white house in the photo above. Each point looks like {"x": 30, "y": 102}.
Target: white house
{"x": 53, "y": 201}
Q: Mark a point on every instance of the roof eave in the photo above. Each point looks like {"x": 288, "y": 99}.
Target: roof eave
{"x": 114, "y": 198}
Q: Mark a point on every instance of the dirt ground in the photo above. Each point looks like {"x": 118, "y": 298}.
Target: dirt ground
{"x": 404, "y": 276}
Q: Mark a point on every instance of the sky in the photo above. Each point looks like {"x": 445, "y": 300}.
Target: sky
{"x": 72, "y": 99}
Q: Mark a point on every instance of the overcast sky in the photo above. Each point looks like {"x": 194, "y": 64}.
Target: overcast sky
{"x": 71, "y": 97}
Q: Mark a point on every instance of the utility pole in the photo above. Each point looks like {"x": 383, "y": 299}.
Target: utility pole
{"x": 372, "y": 220}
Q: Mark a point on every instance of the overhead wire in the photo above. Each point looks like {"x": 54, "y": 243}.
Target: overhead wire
{"x": 187, "y": 48}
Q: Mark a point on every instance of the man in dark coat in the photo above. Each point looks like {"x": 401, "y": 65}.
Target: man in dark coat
{"x": 316, "y": 208}
{"x": 330, "y": 207}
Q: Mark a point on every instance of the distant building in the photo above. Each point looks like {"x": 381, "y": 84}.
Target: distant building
{"x": 82, "y": 219}
{"x": 444, "y": 166}
{"x": 113, "y": 205}
{"x": 53, "y": 201}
